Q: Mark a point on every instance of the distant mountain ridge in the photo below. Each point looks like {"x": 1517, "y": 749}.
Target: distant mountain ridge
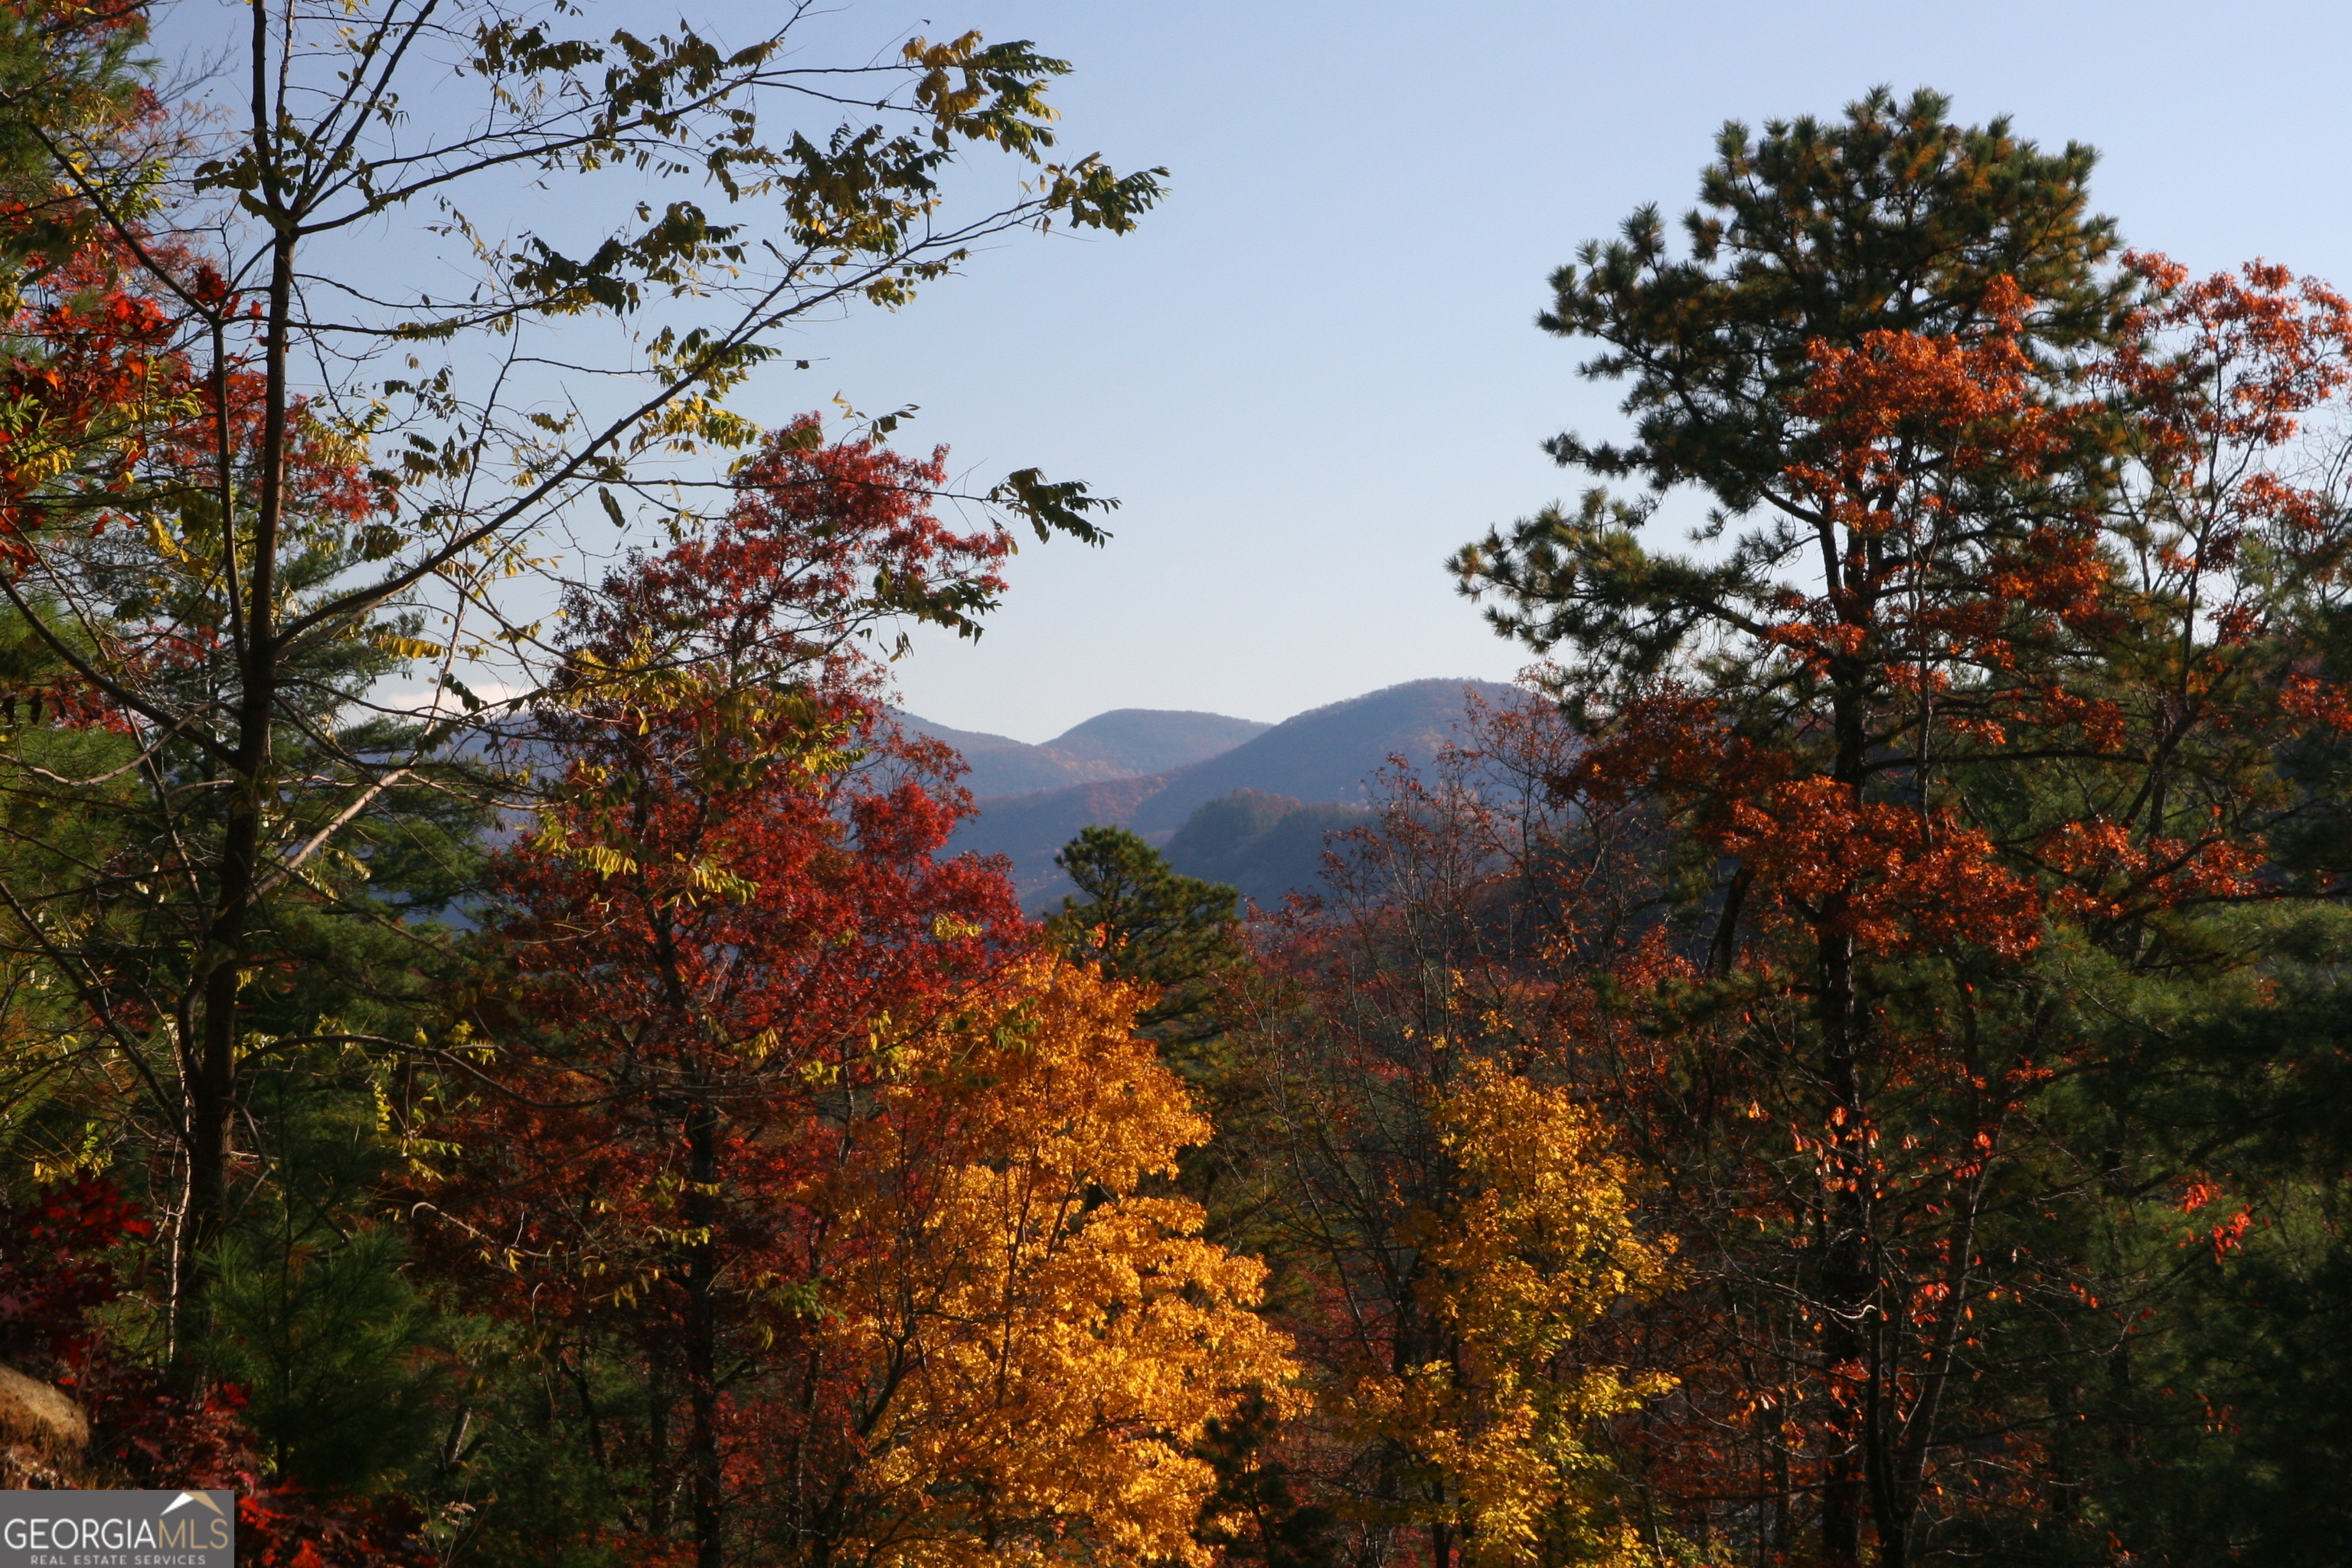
{"x": 1125, "y": 742}
{"x": 1328, "y": 754}
{"x": 1324, "y": 757}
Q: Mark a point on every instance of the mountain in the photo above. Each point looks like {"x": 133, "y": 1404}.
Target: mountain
{"x": 1266, "y": 845}
{"x": 1138, "y": 740}
{"x": 1030, "y": 828}
{"x": 1324, "y": 755}
{"x": 1122, "y": 744}
{"x": 1328, "y": 754}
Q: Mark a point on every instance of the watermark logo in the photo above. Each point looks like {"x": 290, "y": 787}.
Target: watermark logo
{"x": 118, "y": 1530}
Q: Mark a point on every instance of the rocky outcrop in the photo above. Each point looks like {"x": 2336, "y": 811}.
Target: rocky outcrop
{"x": 43, "y": 1436}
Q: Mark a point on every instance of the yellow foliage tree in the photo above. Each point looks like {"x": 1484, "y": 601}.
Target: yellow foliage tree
{"x": 1534, "y": 1241}
{"x": 1023, "y": 1347}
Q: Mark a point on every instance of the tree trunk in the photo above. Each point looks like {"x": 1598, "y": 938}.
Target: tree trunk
{"x": 1845, "y": 1262}
{"x": 703, "y": 1468}
{"x": 1847, "y": 1266}
{"x": 212, "y": 1084}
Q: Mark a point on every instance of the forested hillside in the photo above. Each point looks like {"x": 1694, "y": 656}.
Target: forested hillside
{"x": 1264, "y": 847}
{"x": 513, "y": 1052}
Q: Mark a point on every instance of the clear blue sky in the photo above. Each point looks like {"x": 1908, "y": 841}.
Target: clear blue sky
{"x": 1314, "y": 371}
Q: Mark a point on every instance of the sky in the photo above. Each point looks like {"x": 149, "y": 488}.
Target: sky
{"x": 1314, "y": 371}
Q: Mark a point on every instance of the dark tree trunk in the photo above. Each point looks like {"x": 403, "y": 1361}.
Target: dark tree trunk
{"x": 1848, "y": 1267}
{"x": 211, "y": 1077}
{"x": 703, "y": 1469}
{"x": 1846, "y": 1283}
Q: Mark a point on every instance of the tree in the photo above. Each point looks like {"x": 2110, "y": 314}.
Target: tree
{"x": 1537, "y": 1243}
{"x": 1894, "y": 221}
{"x": 1448, "y": 1224}
{"x": 59, "y": 1248}
{"x": 108, "y": 879}
{"x": 2236, "y": 1423}
{"x": 1028, "y": 1348}
{"x": 754, "y": 904}
{"x": 1145, "y": 923}
{"x": 1976, "y": 694}
{"x": 298, "y": 468}
{"x": 69, "y": 71}
{"x": 795, "y": 1147}
{"x": 778, "y": 1129}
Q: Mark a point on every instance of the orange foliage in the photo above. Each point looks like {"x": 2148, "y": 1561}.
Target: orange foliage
{"x": 1030, "y": 1347}
{"x": 1894, "y": 878}
{"x": 2093, "y": 616}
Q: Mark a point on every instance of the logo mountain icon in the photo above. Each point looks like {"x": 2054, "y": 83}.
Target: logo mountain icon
{"x": 186, "y": 1497}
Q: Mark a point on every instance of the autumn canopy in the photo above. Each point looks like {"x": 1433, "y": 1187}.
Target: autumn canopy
{"x": 501, "y": 1062}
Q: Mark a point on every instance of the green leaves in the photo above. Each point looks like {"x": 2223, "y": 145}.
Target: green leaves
{"x": 999, "y": 98}
{"x": 1091, "y": 195}
{"x": 1807, "y": 240}
{"x": 671, "y": 251}
{"x": 1143, "y": 920}
{"x": 1054, "y": 506}
{"x": 1892, "y": 219}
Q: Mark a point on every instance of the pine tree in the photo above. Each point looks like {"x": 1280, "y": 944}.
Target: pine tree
{"x": 1963, "y": 744}
{"x": 1145, "y": 922}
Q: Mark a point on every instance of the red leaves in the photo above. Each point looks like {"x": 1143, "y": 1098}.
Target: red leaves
{"x": 716, "y": 958}
{"x": 1907, "y": 415}
{"x": 2214, "y": 384}
{"x": 2229, "y": 1233}
{"x": 57, "y": 1267}
{"x": 2227, "y": 362}
{"x": 2113, "y": 876}
{"x": 1961, "y": 599}
{"x": 1894, "y": 878}
{"x": 108, "y": 423}
{"x": 2305, "y": 696}
{"x": 289, "y": 1528}
{"x": 90, "y": 358}
{"x": 53, "y": 1268}
{"x": 748, "y": 944}
{"x": 825, "y": 544}
{"x": 1921, "y": 447}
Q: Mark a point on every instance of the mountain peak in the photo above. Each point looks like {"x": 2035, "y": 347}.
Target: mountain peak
{"x": 1322, "y": 758}
{"x": 1153, "y": 740}
{"x": 1126, "y": 742}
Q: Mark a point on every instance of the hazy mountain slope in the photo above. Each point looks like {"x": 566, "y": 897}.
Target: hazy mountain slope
{"x": 1325, "y": 753}
{"x": 1138, "y": 740}
{"x": 1266, "y": 845}
{"x": 1321, "y": 755}
{"x": 1122, "y": 744}
{"x": 1029, "y": 829}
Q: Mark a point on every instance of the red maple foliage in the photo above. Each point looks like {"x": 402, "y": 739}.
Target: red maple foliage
{"x": 731, "y": 908}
